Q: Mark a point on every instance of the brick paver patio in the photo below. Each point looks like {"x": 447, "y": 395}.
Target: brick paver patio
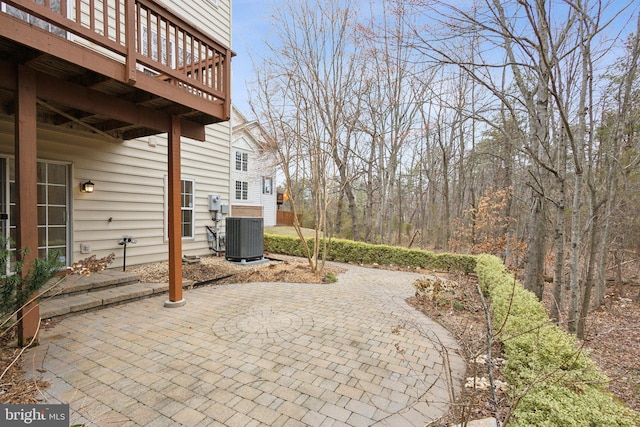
{"x": 349, "y": 353}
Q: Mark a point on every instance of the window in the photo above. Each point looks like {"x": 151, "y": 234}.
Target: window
{"x": 267, "y": 185}
{"x": 186, "y": 195}
{"x": 166, "y": 58}
{"x": 55, "y": 8}
{"x": 242, "y": 161}
{"x": 242, "y": 190}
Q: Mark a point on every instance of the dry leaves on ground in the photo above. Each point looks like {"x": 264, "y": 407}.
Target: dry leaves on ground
{"x": 216, "y": 270}
{"x": 13, "y": 387}
{"x": 458, "y": 308}
{"x": 613, "y": 336}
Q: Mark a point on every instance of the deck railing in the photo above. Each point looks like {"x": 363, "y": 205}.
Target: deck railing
{"x": 145, "y": 35}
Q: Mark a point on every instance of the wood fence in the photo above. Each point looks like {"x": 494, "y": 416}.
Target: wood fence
{"x": 286, "y": 218}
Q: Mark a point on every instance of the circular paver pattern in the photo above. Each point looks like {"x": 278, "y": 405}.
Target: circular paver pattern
{"x": 347, "y": 353}
{"x": 262, "y": 324}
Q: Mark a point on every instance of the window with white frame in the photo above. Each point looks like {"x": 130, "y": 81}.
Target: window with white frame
{"x": 242, "y": 190}
{"x": 188, "y": 208}
{"x": 267, "y": 185}
{"x": 242, "y": 161}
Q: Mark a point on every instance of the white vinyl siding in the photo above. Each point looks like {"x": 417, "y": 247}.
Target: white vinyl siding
{"x": 259, "y": 173}
{"x": 129, "y": 194}
{"x": 212, "y": 19}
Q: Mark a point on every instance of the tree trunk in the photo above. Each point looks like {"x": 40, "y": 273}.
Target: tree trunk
{"x": 557, "y": 306}
{"x": 536, "y": 248}
{"x": 574, "y": 262}
{"x": 588, "y": 281}
{"x": 623, "y": 123}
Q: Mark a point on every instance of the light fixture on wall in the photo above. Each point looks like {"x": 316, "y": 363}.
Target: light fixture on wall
{"x": 87, "y": 187}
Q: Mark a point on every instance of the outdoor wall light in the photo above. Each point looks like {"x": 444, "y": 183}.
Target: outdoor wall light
{"x": 87, "y": 187}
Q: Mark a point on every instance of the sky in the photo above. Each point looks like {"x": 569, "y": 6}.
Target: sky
{"x": 250, "y": 24}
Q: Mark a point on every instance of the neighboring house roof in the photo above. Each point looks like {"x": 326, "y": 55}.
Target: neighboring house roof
{"x": 251, "y": 129}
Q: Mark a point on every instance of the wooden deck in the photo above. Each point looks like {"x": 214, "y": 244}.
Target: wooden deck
{"x": 121, "y": 69}
{"x": 117, "y": 67}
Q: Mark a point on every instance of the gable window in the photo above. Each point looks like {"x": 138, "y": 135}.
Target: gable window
{"x": 242, "y": 190}
{"x": 242, "y": 161}
{"x": 267, "y": 185}
{"x": 188, "y": 208}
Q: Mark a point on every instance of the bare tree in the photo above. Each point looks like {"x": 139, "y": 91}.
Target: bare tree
{"x": 303, "y": 97}
{"x": 616, "y": 123}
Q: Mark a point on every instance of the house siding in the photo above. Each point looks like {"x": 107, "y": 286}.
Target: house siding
{"x": 129, "y": 196}
{"x": 245, "y": 139}
{"x": 204, "y": 15}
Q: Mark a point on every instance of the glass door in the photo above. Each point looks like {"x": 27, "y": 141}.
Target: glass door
{"x": 53, "y": 205}
{"x": 53, "y": 209}
{"x": 5, "y": 268}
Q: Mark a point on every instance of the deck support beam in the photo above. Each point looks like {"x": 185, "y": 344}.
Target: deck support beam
{"x": 26, "y": 191}
{"x": 175, "y": 217}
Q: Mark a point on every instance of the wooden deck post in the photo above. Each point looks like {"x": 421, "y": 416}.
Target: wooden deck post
{"x": 130, "y": 40}
{"x": 175, "y": 217}
{"x": 26, "y": 191}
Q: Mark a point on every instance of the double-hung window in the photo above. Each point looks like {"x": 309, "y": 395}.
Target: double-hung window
{"x": 188, "y": 208}
{"x": 242, "y": 190}
{"x": 242, "y": 161}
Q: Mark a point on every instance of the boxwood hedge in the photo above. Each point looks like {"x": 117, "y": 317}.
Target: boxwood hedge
{"x": 365, "y": 253}
{"x": 559, "y": 384}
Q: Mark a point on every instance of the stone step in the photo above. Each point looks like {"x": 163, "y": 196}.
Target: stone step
{"x": 65, "y": 286}
{"x": 56, "y": 307}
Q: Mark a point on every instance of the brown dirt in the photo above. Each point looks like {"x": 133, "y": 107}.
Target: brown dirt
{"x": 613, "y": 336}
{"x": 13, "y": 387}
{"x": 459, "y": 308}
{"x": 219, "y": 271}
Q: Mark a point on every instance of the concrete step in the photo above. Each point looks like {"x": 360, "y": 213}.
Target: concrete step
{"x": 78, "y": 284}
{"x": 58, "y": 307}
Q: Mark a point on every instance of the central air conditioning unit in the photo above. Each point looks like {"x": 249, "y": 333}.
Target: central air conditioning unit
{"x": 244, "y": 238}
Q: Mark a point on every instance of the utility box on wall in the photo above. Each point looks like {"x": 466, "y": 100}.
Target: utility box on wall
{"x": 215, "y": 203}
{"x": 244, "y": 238}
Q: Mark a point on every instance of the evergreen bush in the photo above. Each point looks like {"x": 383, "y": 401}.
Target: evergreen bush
{"x": 556, "y": 381}
{"x": 365, "y": 253}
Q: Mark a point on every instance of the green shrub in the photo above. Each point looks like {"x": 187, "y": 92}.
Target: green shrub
{"x": 364, "y": 253}
{"x": 17, "y": 288}
{"x": 560, "y": 384}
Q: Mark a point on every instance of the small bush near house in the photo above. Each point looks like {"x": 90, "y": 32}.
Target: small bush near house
{"x": 16, "y": 289}
{"x": 554, "y": 383}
